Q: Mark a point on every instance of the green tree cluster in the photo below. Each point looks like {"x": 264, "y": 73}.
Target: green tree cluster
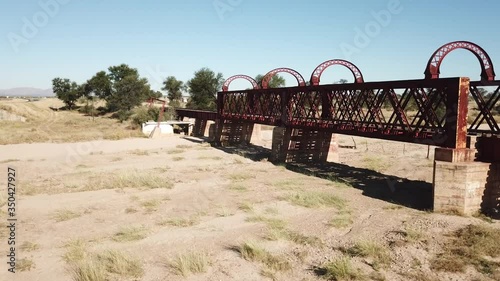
{"x": 123, "y": 90}
{"x": 203, "y": 88}
{"x": 121, "y": 87}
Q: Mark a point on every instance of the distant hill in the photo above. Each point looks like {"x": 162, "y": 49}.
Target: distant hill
{"x": 27, "y": 92}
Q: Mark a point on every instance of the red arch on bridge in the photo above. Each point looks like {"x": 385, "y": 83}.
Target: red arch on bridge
{"x": 225, "y": 86}
{"x": 487, "y": 71}
{"x": 316, "y": 76}
{"x": 267, "y": 78}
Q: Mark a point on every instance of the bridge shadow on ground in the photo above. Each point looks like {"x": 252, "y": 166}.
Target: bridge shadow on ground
{"x": 396, "y": 190}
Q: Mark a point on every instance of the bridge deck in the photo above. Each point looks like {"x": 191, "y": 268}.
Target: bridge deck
{"x": 430, "y": 111}
{"x": 419, "y": 111}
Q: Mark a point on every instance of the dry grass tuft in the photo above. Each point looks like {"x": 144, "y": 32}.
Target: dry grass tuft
{"x": 252, "y": 252}
{"x": 134, "y": 179}
{"x": 130, "y": 210}
{"x": 29, "y": 246}
{"x": 238, "y": 161}
{"x": 190, "y": 263}
{"x": 239, "y": 177}
{"x": 268, "y": 273}
{"x": 378, "y": 253}
{"x": 116, "y": 159}
{"x": 393, "y": 207}
{"x": 271, "y": 211}
{"x": 341, "y": 221}
{"x": 130, "y": 233}
{"x": 75, "y": 250}
{"x": 288, "y": 184}
{"x": 419, "y": 276}
{"x": 25, "y": 265}
{"x": 272, "y": 223}
{"x": 275, "y": 234}
{"x": 82, "y": 265}
{"x": 86, "y": 266}
{"x": 9, "y": 161}
{"x": 176, "y": 151}
{"x": 246, "y": 207}
{"x": 238, "y": 187}
{"x": 216, "y": 158}
{"x": 151, "y": 205}
{"x": 316, "y": 199}
{"x": 118, "y": 263}
{"x": 224, "y": 212}
{"x": 414, "y": 235}
{"x": 181, "y": 222}
{"x": 140, "y": 152}
{"x": 475, "y": 245}
{"x": 375, "y": 163}
{"x": 65, "y": 215}
{"x": 340, "y": 269}
{"x": 184, "y": 146}
{"x": 88, "y": 270}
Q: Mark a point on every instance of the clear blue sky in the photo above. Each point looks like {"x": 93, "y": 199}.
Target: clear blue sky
{"x": 178, "y": 37}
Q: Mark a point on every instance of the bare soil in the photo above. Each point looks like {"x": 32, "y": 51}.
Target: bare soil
{"x": 189, "y": 197}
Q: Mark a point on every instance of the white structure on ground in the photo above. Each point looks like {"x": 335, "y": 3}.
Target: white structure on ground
{"x": 165, "y": 128}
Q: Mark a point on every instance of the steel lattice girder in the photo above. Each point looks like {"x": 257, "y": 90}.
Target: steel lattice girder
{"x": 485, "y": 123}
{"x": 197, "y": 114}
{"x": 356, "y": 109}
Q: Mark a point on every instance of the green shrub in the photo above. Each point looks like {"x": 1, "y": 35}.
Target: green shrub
{"x": 144, "y": 114}
{"x": 122, "y": 115}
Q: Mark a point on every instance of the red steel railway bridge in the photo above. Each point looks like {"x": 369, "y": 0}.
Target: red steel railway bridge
{"x": 431, "y": 111}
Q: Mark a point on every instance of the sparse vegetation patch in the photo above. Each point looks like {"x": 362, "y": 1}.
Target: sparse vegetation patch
{"x": 475, "y": 245}
{"x": 190, "y": 263}
{"x": 315, "y": 199}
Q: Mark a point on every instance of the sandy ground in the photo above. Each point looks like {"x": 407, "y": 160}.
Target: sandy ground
{"x": 224, "y": 194}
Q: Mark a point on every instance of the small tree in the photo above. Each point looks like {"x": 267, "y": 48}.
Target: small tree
{"x": 101, "y": 85}
{"x": 129, "y": 92}
{"x": 203, "y": 89}
{"x": 154, "y": 94}
{"x": 122, "y": 88}
{"x": 120, "y": 72}
{"x": 174, "y": 89}
{"x": 276, "y": 82}
{"x": 67, "y": 91}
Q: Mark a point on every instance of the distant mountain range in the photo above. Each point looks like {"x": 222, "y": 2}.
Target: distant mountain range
{"x": 27, "y": 92}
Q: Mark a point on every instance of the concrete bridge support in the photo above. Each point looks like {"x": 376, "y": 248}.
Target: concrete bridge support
{"x": 200, "y": 127}
{"x": 468, "y": 180}
{"x": 489, "y": 152}
{"x": 231, "y": 132}
{"x": 302, "y": 146}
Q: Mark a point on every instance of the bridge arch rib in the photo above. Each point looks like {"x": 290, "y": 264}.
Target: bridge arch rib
{"x": 434, "y": 64}
{"x": 316, "y": 76}
{"x": 267, "y": 78}
{"x": 225, "y": 86}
